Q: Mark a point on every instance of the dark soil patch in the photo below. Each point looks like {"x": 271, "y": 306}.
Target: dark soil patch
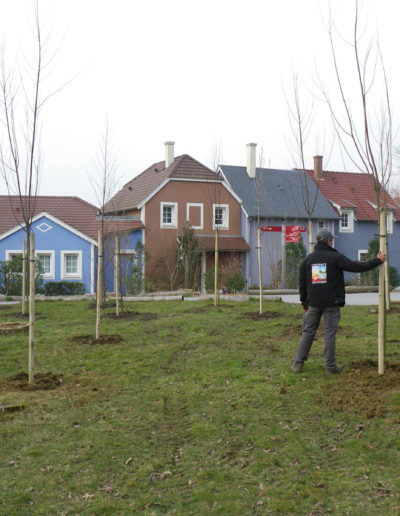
{"x": 91, "y": 339}
{"x": 131, "y": 316}
{"x": 108, "y": 304}
{"x": 42, "y": 381}
{"x": 255, "y": 316}
{"x": 394, "y": 310}
{"x": 361, "y": 390}
{"x": 7, "y": 307}
{"x": 25, "y": 317}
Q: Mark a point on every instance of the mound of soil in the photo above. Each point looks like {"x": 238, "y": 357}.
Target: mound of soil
{"x": 131, "y": 316}
{"x": 255, "y": 316}
{"x": 42, "y": 381}
{"x": 361, "y": 390}
{"x": 13, "y": 327}
{"x": 91, "y": 339}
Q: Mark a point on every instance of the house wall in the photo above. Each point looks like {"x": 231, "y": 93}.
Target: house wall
{"x": 271, "y": 249}
{"x": 56, "y": 239}
{"x": 160, "y": 243}
{"x": 364, "y": 231}
{"x": 129, "y": 251}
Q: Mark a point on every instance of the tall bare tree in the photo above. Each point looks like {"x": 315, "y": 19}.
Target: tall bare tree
{"x": 21, "y": 104}
{"x": 364, "y": 131}
{"x": 104, "y": 182}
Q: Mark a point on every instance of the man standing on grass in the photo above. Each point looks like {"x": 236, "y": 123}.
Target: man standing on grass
{"x": 321, "y": 285}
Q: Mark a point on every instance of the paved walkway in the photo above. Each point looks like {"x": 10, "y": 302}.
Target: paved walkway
{"x": 366, "y": 298}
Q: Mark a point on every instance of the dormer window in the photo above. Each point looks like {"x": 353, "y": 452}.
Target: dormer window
{"x": 346, "y": 223}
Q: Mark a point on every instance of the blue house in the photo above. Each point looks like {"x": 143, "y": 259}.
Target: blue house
{"x": 65, "y": 231}
{"x": 273, "y": 197}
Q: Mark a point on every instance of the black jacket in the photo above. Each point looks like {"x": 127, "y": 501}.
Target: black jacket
{"x": 321, "y": 281}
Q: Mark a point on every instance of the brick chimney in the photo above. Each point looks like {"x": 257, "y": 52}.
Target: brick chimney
{"x": 251, "y": 159}
{"x": 318, "y": 168}
{"x": 169, "y": 153}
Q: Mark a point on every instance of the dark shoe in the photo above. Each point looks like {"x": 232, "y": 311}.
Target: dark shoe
{"x": 334, "y": 370}
{"x": 297, "y": 367}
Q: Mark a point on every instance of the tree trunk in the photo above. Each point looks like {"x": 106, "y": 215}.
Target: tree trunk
{"x": 260, "y": 283}
{"x": 23, "y": 293}
{"x": 117, "y": 275}
{"x": 31, "y": 365}
{"x": 310, "y": 236}
{"x": 216, "y": 269}
{"x": 99, "y": 281}
{"x": 381, "y": 305}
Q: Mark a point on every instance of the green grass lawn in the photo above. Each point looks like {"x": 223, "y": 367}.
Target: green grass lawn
{"x": 196, "y": 412}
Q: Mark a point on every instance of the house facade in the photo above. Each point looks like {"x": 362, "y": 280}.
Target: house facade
{"x": 275, "y": 198}
{"x": 353, "y": 198}
{"x": 167, "y": 196}
{"x": 65, "y": 230}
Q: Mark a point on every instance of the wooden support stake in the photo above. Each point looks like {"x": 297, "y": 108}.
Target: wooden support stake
{"x": 99, "y": 281}
{"x": 259, "y": 269}
{"x": 117, "y": 275}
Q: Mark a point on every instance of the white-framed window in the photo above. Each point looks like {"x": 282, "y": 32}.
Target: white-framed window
{"x": 12, "y": 254}
{"x": 169, "y": 215}
{"x": 346, "y": 223}
{"x": 194, "y": 214}
{"x": 221, "y": 216}
{"x": 321, "y": 225}
{"x": 362, "y": 255}
{"x": 71, "y": 264}
{"x": 389, "y": 223}
{"x": 46, "y": 260}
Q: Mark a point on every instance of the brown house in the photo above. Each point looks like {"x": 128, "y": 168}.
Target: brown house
{"x": 170, "y": 194}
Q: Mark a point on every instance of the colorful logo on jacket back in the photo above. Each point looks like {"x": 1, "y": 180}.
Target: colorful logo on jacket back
{"x": 318, "y": 273}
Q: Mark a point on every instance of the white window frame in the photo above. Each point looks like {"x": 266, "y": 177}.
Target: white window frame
{"x": 64, "y": 274}
{"x": 350, "y": 219}
{"x": 389, "y": 223}
{"x": 321, "y": 224}
{"x": 225, "y": 224}
{"x": 11, "y": 252}
{"x": 174, "y": 214}
{"x": 49, "y": 275}
{"x": 360, "y": 253}
{"x": 194, "y": 205}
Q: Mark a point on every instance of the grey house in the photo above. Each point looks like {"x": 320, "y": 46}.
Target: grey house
{"x": 272, "y": 197}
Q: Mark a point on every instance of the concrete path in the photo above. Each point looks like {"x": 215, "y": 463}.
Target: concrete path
{"x": 370, "y": 298}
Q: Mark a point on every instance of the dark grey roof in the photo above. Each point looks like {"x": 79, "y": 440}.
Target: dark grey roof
{"x": 283, "y": 193}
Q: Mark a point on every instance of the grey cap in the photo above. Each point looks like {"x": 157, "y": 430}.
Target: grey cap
{"x": 324, "y": 235}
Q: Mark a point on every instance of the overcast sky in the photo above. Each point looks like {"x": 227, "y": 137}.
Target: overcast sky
{"x": 194, "y": 72}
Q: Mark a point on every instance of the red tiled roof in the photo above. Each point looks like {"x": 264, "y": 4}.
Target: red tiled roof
{"x": 353, "y": 190}
{"x": 73, "y": 211}
{"x": 141, "y": 186}
{"x": 225, "y": 243}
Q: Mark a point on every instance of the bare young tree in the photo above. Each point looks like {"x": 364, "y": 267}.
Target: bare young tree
{"x": 214, "y": 194}
{"x": 104, "y": 182}
{"x": 21, "y": 104}
{"x": 363, "y": 130}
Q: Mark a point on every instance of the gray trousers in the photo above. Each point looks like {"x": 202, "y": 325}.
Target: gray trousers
{"x": 311, "y": 322}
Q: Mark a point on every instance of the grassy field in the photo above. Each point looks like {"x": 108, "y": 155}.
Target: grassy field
{"x": 196, "y": 412}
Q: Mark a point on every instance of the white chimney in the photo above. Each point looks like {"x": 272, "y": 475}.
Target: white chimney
{"x": 318, "y": 168}
{"x": 169, "y": 153}
{"x": 251, "y": 159}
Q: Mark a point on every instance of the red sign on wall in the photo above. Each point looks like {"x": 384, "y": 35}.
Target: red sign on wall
{"x": 292, "y": 234}
{"x": 271, "y": 228}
